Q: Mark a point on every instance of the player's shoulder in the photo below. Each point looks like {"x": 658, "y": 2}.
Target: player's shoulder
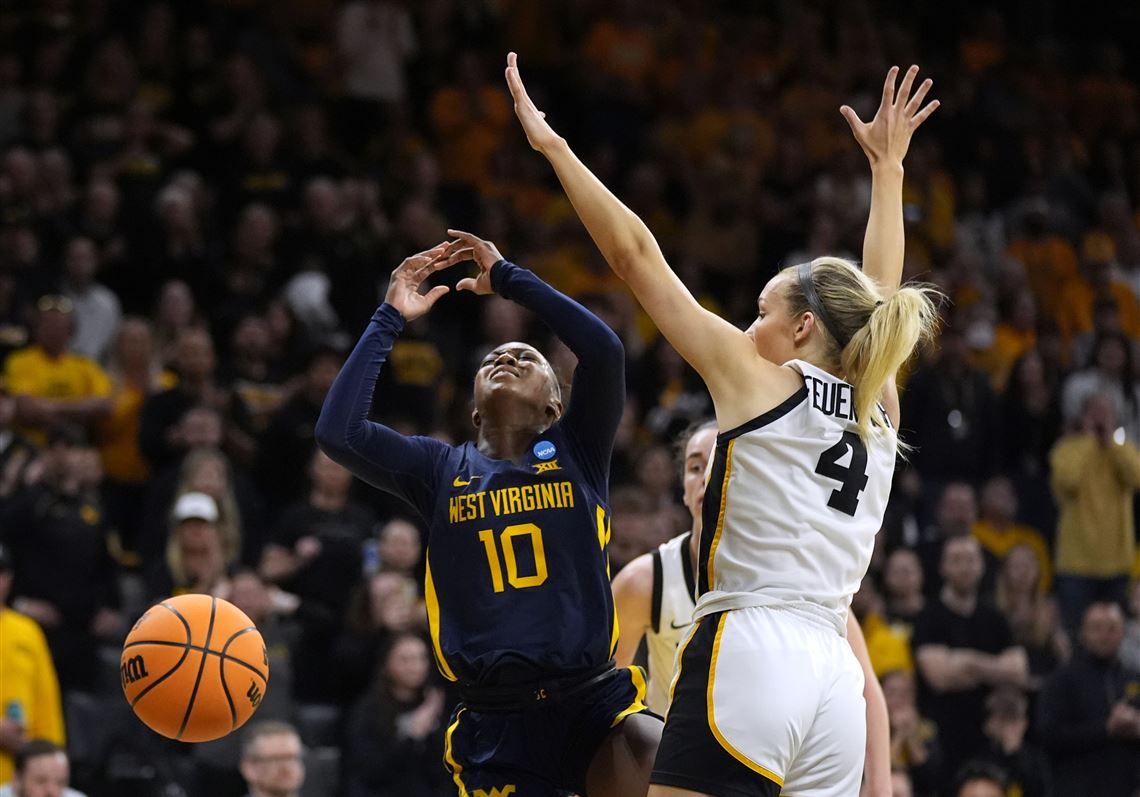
{"x": 637, "y": 576}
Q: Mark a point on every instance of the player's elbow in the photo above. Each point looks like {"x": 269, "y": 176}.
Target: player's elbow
{"x": 331, "y": 434}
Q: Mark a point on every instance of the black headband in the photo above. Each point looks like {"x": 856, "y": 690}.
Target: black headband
{"x": 816, "y": 305}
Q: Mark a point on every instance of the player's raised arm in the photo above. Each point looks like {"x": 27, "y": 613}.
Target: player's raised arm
{"x": 373, "y": 452}
{"x": 885, "y": 140}
{"x": 711, "y": 345}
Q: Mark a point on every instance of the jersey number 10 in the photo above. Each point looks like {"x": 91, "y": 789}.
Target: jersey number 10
{"x": 506, "y": 541}
{"x": 852, "y": 477}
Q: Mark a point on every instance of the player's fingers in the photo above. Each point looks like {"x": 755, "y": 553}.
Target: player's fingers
{"x": 435, "y": 294}
{"x": 466, "y": 284}
{"x": 916, "y": 101}
{"x": 904, "y": 89}
{"x": 852, "y": 119}
{"x": 466, "y": 239}
{"x": 461, "y": 255}
{"x": 924, "y": 114}
{"x": 889, "y": 85}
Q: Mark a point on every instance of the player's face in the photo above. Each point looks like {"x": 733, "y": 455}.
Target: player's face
{"x": 275, "y": 765}
{"x": 519, "y": 372}
{"x": 773, "y": 331}
{"x": 698, "y": 451}
{"x": 44, "y": 776}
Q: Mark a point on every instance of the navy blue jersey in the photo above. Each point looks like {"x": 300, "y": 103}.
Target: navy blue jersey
{"x": 517, "y": 585}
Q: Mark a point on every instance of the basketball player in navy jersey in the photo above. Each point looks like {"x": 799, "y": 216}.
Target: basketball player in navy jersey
{"x": 517, "y": 586}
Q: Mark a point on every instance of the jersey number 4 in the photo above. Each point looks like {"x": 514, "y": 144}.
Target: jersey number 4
{"x": 852, "y": 477}
{"x": 507, "y": 542}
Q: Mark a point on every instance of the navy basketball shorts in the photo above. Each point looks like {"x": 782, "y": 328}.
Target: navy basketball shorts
{"x": 542, "y": 746}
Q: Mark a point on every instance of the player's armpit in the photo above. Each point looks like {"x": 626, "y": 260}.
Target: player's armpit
{"x": 633, "y": 596}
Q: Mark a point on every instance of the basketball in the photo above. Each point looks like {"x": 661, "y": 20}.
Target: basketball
{"x": 194, "y": 668}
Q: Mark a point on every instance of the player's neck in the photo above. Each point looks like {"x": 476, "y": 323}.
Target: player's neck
{"x": 508, "y": 438}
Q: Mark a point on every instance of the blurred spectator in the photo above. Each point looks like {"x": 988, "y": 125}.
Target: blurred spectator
{"x": 395, "y": 731}
{"x": 29, "y": 690}
{"x": 902, "y": 580}
{"x": 1097, "y": 282}
{"x": 383, "y": 606}
{"x": 174, "y": 312}
{"x": 54, "y": 387}
{"x": 633, "y": 526}
{"x": 1095, "y": 475}
{"x": 255, "y": 378}
{"x": 978, "y": 779}
{"x": 952, "y": 409}
{"x": 915, "y": 748}
{"x": 1031, "y": 424}
{"x": 316, "y": 550}
{"x": 998, "y": 532}
{"x": 17, "y": 454}
{"x": 272, "y": 759}
{"x": 1110, "y": 373}
{"x": 962, "y": 647}
{"x": 1025, "y": 765}
{"x": 64, "y": 574}
{"x": 135, "y": 376}
{"x": 399, "y": 547}
{"x": 956, "y": 515}
{"x": 41, "y": 770}
{"x": 198, "y": 555}
{"x": 1050, "y": 261}
{"x": 1032, "y": 613}
{"x": 901, "y": 784}
{"x": 97, "y": 309}
{"x": 1089, "y": 715}
{"x": 888, "y": 647}
{"x": 286, "y": 446}
{"x": 1130, "y": 646}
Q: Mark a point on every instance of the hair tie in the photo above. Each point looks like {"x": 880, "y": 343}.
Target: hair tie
{"x": 816, "y": 305}
{"x": 879, "y": 303}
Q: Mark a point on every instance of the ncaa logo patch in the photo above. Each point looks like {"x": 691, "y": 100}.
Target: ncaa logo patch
{"x": 544, "y": 449}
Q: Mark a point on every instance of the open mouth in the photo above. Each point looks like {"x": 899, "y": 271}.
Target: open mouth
{"x": 503, "y": 370}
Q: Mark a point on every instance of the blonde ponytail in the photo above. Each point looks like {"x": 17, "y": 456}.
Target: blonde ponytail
{"x": 869, "y": 337}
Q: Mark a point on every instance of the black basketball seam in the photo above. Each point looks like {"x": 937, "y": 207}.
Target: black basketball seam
{"x": 222, "y": 673}
{"x": 169, "y": 644}
{"x": 185, "y": 652}
{"x": 201, "y": 668}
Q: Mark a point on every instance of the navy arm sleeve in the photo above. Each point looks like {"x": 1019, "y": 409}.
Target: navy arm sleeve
{"x": 404, "y": 466}
{"x": 597, "y": 395}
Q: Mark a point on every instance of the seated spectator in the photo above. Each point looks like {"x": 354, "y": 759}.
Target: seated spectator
{"x": 1088, "y": 715}
{"x": 198, "y": 556}
{"x": 1130, "y": 647}
{"x": 1097, "y": 282}
{"x": 54, "y": 387}
{"x": 961, "y": 648}
{"x": 41, "y": 770}
{"x": 901, "y": 784}
{"x": 1033, "y": 615}
{"x": 255, "y": 378}
{"x": 316, "y": 550}
{"x": 272, "y": 759}
{"x": 1025, "y": 765}
{"x": 64, "y": 574}
{"x": 400, "y": 548}
{"x": 29, "y": 690}
{"x": 888, "y": 647}
{"x": 395, "y": 731}
{"x": 978, "y": 779}
{"x": 915, "y": 748}
{"x": 998, "y": 532}
{"x": 17, "y": 453}
{"x": 1094, "y": 478}
{"x": 955, "y": 517}
{"x": 902, "y": 580}
{"x": 1110, "y": 373}
{"x": 97, "y": 309}
{"x": 384, "y": 606}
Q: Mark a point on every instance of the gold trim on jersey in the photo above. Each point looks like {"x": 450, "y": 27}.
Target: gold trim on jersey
{"x": 720, "y": 512}
{"x": 680, "y": 659}
{"x": 638, "y": 704}
{"x": 449, "y": 756}
{"x": 433, "y": 620}
{"x": 767, "y": 773}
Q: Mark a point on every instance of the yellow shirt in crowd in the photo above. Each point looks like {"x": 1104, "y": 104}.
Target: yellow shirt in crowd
{"x": 1001, "y": 542}
{"x": 27, "y": 676}
{"x": 888, "y": 648}
{"x": 1094, "y": 484}
{"x": 31, "y": 372}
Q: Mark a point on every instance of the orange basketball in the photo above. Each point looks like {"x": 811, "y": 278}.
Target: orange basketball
{"x": 194, "y": 668}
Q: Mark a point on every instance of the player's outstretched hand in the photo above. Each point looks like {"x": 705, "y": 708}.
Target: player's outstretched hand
{"x": 886, "y": 138}
{"x": 404, "y": 285}
{"x": 472, "y": 247}
{"x": 538, "y": 131}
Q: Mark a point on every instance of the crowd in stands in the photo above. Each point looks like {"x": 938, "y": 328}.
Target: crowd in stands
{"x": 199, "y": 207}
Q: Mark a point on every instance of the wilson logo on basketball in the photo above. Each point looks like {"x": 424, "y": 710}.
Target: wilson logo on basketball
{"x": 133, "y": 669}
{"x": 254, "y": 694}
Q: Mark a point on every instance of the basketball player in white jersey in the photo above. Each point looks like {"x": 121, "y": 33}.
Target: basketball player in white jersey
{"x": 655, "y": 594}
{"x": 768, "y": 698}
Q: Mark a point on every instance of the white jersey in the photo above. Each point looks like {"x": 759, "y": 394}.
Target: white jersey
{"x": 793, "y": 503}
{"x": 674, "y": 591}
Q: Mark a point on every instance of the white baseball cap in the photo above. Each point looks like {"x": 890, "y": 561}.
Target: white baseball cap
{"x": 195, "y": 506}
